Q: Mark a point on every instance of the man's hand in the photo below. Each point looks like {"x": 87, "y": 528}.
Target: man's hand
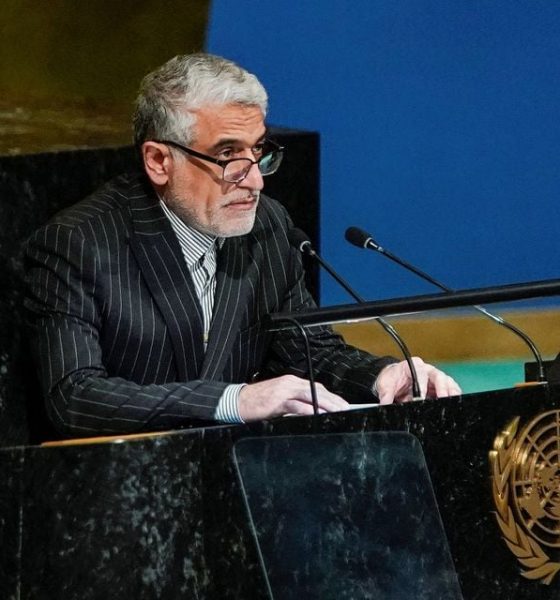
{"x": 283, "y": 396}
{"x": 394, "y": 383}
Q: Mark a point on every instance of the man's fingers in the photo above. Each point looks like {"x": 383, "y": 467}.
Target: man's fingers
{"x": 441, "y": 385}
{"x": 389, "y": 382}
{"x": 327, "y": 401}
{"x": 394, "y": 383}
{"x": 422, "y": 374}
{"x": 283, "y": 395}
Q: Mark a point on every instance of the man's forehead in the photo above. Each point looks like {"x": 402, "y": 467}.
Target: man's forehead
{"x": 235, "y": 122}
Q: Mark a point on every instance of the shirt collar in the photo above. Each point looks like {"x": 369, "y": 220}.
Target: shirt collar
{"x": 194, "y": 244}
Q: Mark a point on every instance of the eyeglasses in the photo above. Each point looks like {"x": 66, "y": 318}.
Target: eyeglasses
{"x": 236, "y": 169}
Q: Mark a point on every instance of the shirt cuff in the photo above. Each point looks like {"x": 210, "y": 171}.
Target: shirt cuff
{"x": 227, "y": 410}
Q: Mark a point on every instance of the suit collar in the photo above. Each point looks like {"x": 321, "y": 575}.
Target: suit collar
{"x": 194, "y": 244}
{"x": 163, "y": 267}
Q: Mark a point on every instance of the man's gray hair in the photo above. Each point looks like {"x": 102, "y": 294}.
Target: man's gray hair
{"x": 185, "y": 83}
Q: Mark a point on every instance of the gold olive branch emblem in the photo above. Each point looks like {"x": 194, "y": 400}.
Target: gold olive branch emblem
{"x": 528, "y": 551}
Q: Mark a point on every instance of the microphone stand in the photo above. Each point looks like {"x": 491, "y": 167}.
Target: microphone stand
{"x": 305, "y": 247}
{"x": 305, "y": 337}
{"x": 369, "y": 243}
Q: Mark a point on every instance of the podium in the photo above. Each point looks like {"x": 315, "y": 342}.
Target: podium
{"x": 254, "y": 511}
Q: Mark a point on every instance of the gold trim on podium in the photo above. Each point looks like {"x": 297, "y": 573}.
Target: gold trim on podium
{"x": 105, "y": 439}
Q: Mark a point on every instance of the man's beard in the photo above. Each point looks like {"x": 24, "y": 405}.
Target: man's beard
{"x": 216, "y": 220}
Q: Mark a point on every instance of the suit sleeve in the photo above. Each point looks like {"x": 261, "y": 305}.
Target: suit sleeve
{"x": 65, "y": 322}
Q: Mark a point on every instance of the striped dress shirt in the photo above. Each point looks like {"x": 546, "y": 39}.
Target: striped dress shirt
{"x": 199, "y": 251}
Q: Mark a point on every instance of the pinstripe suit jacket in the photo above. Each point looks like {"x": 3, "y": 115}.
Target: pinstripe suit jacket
{"x": 116, "y": 325}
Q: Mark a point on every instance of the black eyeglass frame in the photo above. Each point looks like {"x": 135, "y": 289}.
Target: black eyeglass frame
{"x": 277, "y": 149}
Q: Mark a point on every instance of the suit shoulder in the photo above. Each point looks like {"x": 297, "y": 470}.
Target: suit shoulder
{"x": 113, "y": 197}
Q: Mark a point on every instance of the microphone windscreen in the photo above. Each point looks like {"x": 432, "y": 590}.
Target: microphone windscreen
{"x": 357, "y": 237}
{"x": 298, "y": 239}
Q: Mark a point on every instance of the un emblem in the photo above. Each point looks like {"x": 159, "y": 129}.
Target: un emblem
{"x": 525, "y": 471}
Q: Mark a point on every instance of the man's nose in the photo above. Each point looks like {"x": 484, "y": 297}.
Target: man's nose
{"x": 254, "y": 179}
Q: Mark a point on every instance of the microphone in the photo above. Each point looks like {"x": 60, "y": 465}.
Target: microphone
{"x": 299, "y": 240}
{"x": 362, "y": 239}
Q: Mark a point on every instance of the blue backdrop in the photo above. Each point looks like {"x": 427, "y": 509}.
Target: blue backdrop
{"x": 439, "y": 126}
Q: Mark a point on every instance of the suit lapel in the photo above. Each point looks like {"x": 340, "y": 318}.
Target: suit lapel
{"x": 162, "y": 264}
{"x": 236, "y": 276}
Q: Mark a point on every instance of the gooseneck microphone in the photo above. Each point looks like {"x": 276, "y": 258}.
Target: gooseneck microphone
{"x": 299, "y": 240}
{"x": 362, "y": 239}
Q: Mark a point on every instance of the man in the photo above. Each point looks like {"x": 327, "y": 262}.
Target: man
{"x": 146, "y": 300}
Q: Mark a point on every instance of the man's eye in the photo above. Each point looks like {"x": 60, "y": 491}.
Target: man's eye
{"x": 225, "y": 154}
{"x": 258, "y": 149}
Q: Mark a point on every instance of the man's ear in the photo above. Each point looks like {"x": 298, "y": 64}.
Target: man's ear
{"x": 157, "y": 162}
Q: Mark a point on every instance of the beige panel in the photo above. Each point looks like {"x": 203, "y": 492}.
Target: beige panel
{"x": 461, "y": 337}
